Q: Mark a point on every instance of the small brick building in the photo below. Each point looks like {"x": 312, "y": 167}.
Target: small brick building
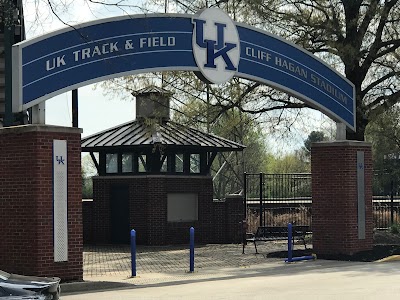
{"x": 154, "y": 177}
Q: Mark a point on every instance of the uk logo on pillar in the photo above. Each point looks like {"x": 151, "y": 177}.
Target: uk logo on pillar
{"x": 216, "y": 45}
{"x": 60, "y": 160}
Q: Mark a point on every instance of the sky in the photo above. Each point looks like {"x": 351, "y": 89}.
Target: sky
{"x": 98, "y": 112}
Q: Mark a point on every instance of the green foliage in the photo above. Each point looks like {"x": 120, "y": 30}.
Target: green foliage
{"x": 241, "y": 128}
{"x": 290, "y": 163}
{"x": 87, "y": 188}
{"x": 88, "y": 170}
{"x": 395, "y": 228}
{"x": 313, "y": 137}
{"x": 236, "y": 126}
{"x": 384, "y": 134}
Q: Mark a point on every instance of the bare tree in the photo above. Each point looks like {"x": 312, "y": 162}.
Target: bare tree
{"x": 359, "y": 37}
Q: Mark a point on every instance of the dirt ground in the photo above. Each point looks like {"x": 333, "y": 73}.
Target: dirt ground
{"x": 385, "y": 244}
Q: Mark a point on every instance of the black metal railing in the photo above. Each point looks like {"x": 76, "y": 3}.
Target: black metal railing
{"x": 386, "y": 211}
{"x": 277, "y": 199}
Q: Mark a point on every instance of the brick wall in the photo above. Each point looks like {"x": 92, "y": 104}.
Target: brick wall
{"x": 26, "y": 201}
{"x": 334, "y": 193}
{"x": 217, "y": 221}
{"x": 179, "y": 232}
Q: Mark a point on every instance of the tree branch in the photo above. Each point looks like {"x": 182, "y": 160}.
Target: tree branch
{"x": 375, "y": 108}
{"x": 378, "y": 81}
{"x": 376, "y": 45}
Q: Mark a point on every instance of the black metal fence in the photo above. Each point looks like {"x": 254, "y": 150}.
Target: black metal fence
{"x": 277, "y": 199}
{"x": 385, "y": 188}
{"x": 386, "y": 212}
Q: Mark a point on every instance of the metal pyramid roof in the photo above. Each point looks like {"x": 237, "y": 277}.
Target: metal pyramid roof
{"x": 139, "y": 134}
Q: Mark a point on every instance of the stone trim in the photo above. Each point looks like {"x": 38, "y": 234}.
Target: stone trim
{"x": 341, "y": 144}
{"x": 39, "y": 128}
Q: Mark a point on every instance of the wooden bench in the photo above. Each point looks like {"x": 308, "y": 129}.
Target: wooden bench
{"x": 272, "y": 233}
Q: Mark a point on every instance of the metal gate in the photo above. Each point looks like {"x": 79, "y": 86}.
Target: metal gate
{"x": 277, "y": 199}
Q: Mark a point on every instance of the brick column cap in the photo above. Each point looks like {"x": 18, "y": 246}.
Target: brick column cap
{"x": 39, "y": 128}
{"x": 341, "y": 144}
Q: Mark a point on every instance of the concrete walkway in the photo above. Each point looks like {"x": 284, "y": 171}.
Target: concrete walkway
{"x": 154, "y": 265}
{"x": 163, "y": 272}
{"x": 301, "y": 281}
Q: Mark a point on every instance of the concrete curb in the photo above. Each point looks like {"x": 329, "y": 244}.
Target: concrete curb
{"x": 390, "y": 258}
{"x": 91, "y": 286}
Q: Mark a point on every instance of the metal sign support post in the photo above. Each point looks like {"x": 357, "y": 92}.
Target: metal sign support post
{"x": 340, "y": 131}
{"x": 8, "y": 42}
{"x": 75, "y": 108}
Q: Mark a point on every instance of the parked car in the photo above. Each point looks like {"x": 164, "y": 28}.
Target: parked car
{"x": 7, "y": 293}
{"x": 13, "y": 287}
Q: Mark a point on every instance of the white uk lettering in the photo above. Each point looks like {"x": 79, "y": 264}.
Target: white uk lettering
{"x": 113, "y": 47}
{"x": 258, "y": 54}
{"x": 55, "y": 63}
{"x": 157, "y": 41}
{"x": 328, "y": 88}
{"x": 104, "y": 49}
{"x": 86, "y": 53}
{"x": 283, "y": 63}
{"x": 95, "y": 51}
{"x": 60, "y": 61}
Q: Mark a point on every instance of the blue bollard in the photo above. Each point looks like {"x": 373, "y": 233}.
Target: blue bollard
{"x": 133, "y": 252}
{"x": 191, "y": 249}
{"x": 289, "y": 240}
{"x": 300, "y": 258}
{"x": 290, "y": 257}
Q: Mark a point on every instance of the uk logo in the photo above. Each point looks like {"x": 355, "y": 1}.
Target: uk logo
{"x": 216, "y": 45}
{"x": 60, "y": 160}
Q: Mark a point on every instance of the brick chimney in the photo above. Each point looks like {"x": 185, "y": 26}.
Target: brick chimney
{"x": 152, "y": 103}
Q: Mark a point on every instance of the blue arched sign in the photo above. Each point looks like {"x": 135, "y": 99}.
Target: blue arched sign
{"x": 209, "y": 43}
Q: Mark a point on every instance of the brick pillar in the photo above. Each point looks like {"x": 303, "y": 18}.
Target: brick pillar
{"x": 26, "y": 201}
{"x": 337, "y": 175}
